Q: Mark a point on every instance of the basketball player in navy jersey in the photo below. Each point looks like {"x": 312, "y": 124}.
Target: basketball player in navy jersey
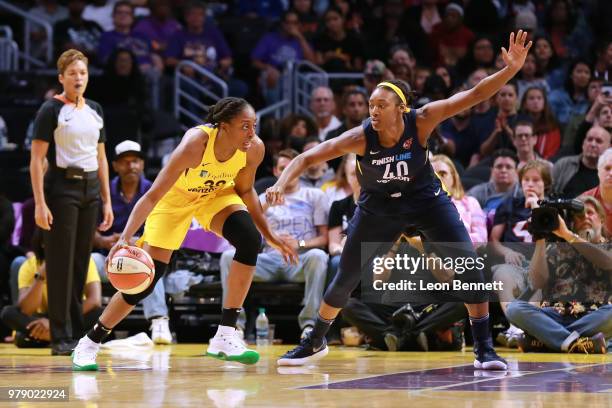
{"x": 398, "y": 190}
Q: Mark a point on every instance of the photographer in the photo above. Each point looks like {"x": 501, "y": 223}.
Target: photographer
{"x": 394, "y": 325}
{"x": 575, "y": 279}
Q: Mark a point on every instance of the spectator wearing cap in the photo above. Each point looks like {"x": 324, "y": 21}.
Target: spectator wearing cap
{"x": 451, "y": 38}
{"x": 126, "y": 189}
{"x": 375, "y": 72}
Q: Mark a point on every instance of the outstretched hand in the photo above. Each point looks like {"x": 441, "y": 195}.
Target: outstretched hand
{"x": 515, "y": 56}
{"x": 275, "y": 195}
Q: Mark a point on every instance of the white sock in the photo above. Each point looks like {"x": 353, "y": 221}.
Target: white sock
{"x": 569, "y": 340}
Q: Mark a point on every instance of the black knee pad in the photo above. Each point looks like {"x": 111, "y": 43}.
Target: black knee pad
{"x": 160, "y": 271}
{"x": 241, "y": 232}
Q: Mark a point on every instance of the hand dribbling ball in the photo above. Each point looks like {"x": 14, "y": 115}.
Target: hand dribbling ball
{"x": 131, "y": 270}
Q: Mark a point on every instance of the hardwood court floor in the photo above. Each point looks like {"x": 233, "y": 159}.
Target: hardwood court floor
{"x": 179, "y": 376}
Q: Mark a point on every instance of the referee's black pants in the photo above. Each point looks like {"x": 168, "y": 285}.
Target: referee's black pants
{"x": 74, "y": 205}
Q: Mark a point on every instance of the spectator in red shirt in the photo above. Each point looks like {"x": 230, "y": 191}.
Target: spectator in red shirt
{"x": 603, "y": 192}
{"x": 450, "y": 38}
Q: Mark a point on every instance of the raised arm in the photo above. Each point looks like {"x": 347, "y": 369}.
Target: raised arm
{"x": 430, "y": 115}
{"x": 351, "y": 141}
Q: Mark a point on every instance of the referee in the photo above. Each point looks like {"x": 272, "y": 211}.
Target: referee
{"x": 69, "y": 133}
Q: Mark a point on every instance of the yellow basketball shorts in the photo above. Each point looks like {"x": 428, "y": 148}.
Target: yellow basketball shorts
{"x": 171, "y": 218}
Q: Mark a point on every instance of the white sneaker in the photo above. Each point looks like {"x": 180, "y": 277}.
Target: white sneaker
{"x": 84, "y": 355}
{"x": 228, "y": 346}
{"x": 160, "y": 331}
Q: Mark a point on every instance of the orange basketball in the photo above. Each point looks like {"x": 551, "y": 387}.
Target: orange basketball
{"x": 131, "y": 270}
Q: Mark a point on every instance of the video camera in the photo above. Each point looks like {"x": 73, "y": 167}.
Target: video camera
{"x": 544, "y": 220}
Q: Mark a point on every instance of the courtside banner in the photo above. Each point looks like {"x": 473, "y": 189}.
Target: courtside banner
{"x": 549, "y": 273}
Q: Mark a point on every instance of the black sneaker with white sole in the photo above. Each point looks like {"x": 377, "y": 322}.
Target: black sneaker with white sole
{"x": 304, "y": 353}
{"x": 487, "y": 359}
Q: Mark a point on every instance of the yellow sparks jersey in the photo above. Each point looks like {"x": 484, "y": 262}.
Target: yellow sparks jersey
{"x": 211, "y": 177}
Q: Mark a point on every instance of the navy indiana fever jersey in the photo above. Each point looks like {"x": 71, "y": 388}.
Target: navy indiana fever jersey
{"x": 398, "y": 179}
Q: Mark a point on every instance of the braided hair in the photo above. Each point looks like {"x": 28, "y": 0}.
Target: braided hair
{"x": 225, "y": 110}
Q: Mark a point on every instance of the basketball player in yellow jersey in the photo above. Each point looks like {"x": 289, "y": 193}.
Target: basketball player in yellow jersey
{"x": 210, "y": 177}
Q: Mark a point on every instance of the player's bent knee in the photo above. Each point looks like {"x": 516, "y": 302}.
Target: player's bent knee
{"x": 241, "y": 232}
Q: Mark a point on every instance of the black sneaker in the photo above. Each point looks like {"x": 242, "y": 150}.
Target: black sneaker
{"x": 304, "y": 353}
{"x": 63, "y": 348}
{"x": 486, "y": 358}
{"x": 529, "y": 344}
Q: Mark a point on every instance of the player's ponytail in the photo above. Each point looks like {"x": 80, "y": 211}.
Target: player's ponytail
{"x": 225, "y": 110}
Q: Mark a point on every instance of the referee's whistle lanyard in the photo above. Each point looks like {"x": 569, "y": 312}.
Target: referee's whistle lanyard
{"x": 80, "y": 100}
